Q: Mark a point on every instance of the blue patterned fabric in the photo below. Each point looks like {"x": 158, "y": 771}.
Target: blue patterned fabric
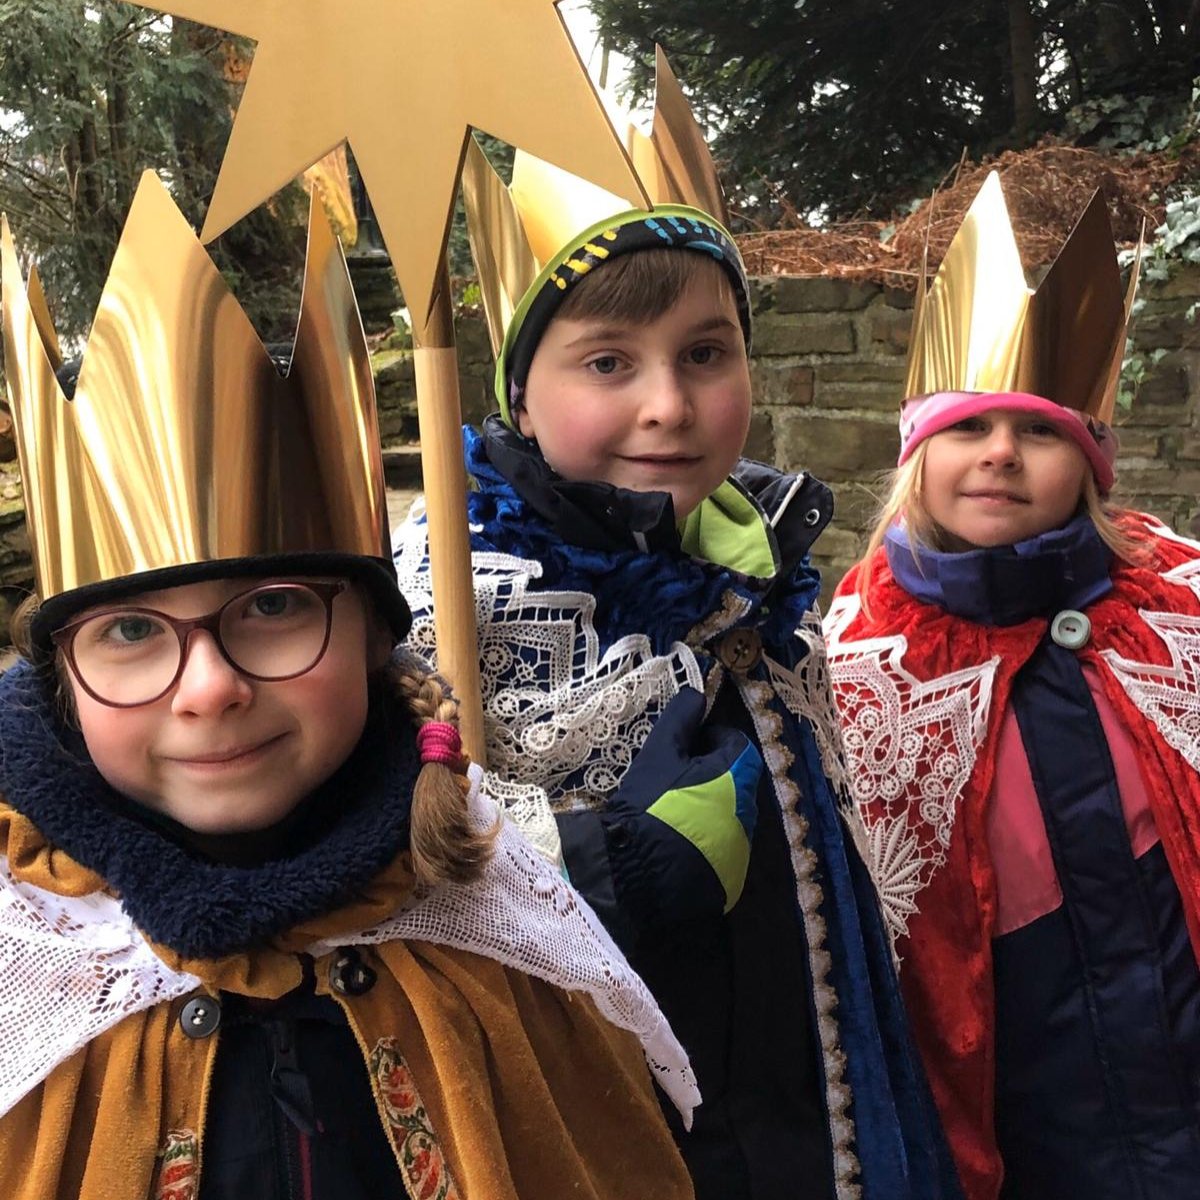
{"x": 665, "y": 595}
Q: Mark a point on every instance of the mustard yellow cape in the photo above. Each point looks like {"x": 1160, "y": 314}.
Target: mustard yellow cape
{"x": 491, "y": 1085}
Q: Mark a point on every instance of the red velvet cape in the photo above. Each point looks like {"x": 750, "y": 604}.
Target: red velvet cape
{"x": 923, "y": 798}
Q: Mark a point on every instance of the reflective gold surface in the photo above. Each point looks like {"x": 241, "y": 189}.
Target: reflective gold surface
{"x": 183, "y": 443}
{"x": 404, "y": 81}
{"x": 1076, "y": 306}
{"x": 979, "y": 327}
{"x": 516, "y": 231}
{"x": 969, "y": 325}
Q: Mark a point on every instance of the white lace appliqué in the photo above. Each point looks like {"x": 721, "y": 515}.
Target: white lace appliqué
{"x": 559, "y": 716}
{"x": 911, "y": 747}
{"x": 1169, "y": 695}
{"x": 808, "y": 693}
{"x": 71, "y": 968}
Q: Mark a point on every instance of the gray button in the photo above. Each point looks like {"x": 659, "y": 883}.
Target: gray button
{"x": 1071, "y": 630}
{"x": 200, "y": 1017}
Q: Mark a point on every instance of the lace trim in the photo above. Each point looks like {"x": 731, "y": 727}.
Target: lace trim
{"x": 807, "y": 692}
{"x": 768, "y": 725}
{"x": 522, "y": 914}
{"x": 71, "y": 969}
{"x": 558, "y": 715}
{"x": 75, "y": 967}
{"x": 910, "y": 747}
{"x": 1169, "y": 696}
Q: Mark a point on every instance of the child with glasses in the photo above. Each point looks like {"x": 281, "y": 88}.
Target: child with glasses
{"x": 261, "y": 935}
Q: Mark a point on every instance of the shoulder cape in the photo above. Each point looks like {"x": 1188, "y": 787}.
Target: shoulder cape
{"x": 921, "y": 693}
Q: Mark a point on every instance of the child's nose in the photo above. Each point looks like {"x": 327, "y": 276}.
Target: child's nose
{"x": 208, "y": 684}
{"x": 667, "y": 400}
{"x": 1001, "y": 449}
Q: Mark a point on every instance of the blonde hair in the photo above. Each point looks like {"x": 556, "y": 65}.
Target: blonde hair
{"x": 444, "y": 843}
{"x": 905, "y": 504}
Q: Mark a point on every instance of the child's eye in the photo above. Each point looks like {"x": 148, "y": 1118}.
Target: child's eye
{"x": 1042, "y": 429}
{"x": 968, "y": 425}
{"x": 277, "y": 604}
{"x": 604, "y": 364}
{"x": 133, "y": 628}
{"x": 702, "y": 356}
{"x": 122, "y": 629}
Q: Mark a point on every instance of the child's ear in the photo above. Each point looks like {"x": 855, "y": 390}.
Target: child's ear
{"x": 380, "y": 642}
{"x": 524, "y": 424}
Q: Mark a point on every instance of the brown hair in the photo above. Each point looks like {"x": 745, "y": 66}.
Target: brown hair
{"x": 904, "y": 502}
{"x": 444, "y": 843}
{"x": 641, "y": 285}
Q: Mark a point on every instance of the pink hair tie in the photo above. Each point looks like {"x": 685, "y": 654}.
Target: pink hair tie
{"x": 438, "y": 742}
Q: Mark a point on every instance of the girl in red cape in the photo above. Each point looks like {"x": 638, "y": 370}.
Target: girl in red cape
{"x": 1017, "y": 666}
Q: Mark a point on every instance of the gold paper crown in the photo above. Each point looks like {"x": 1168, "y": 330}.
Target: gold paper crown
{"x": 980, "y": 328}
{"x": 515, "y": 231}
{"x": 183, "y": 444}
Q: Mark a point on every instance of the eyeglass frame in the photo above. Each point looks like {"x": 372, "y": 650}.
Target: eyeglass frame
{"x": 327, "y": 591}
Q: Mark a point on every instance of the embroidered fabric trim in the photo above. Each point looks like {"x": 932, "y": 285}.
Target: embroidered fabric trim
{"x": 778, "y": 758}
{"x": 910, "y": 748}
{"x": 418, "y": 1151}
{"x": 179, "y": 1167}
{"x": 558, "y": 715}
{"x": 75, "y": 967}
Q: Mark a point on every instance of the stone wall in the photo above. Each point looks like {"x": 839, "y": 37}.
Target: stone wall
{"x": 828, "y": 369}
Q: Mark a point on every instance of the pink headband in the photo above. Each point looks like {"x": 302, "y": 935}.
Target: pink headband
{"x": 923, "y": 416}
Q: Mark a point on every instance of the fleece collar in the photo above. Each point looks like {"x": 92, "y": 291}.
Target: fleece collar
{"x": 176, "y": 896}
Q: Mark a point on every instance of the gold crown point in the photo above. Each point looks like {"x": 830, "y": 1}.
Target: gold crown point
{"x": 681, "y": 150}
{"x": 545, "y": 208}
{"x": 1077, "y": 304}
{"x": 969, "y": 324}
{"x": 42, "y": 318}
{"x": 183, "y": 444}
{"x": 503, "y": 256}
{"x": 980, "y": 328}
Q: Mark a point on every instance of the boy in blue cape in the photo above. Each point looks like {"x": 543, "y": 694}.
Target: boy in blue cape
{"x": 654, "y": 674}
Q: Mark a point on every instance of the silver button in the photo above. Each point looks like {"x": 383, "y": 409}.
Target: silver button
{"x": 1071, "y": 630}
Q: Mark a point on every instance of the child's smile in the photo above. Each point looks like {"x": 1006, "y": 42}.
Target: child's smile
{"x": 659, "y": 406}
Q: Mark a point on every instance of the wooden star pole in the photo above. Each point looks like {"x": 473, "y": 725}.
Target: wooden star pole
{"x": 405, "y": 95}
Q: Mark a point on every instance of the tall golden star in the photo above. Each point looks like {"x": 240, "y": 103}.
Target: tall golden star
{"x": 404, "y": 82}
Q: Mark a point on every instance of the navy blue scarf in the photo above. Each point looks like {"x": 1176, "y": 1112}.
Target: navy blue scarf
{"x": 1005, "y": 585}
{"x": 177, "y": 896}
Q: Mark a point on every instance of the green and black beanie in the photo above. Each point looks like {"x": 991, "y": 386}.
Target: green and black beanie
{"x": 673, "y": 226}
